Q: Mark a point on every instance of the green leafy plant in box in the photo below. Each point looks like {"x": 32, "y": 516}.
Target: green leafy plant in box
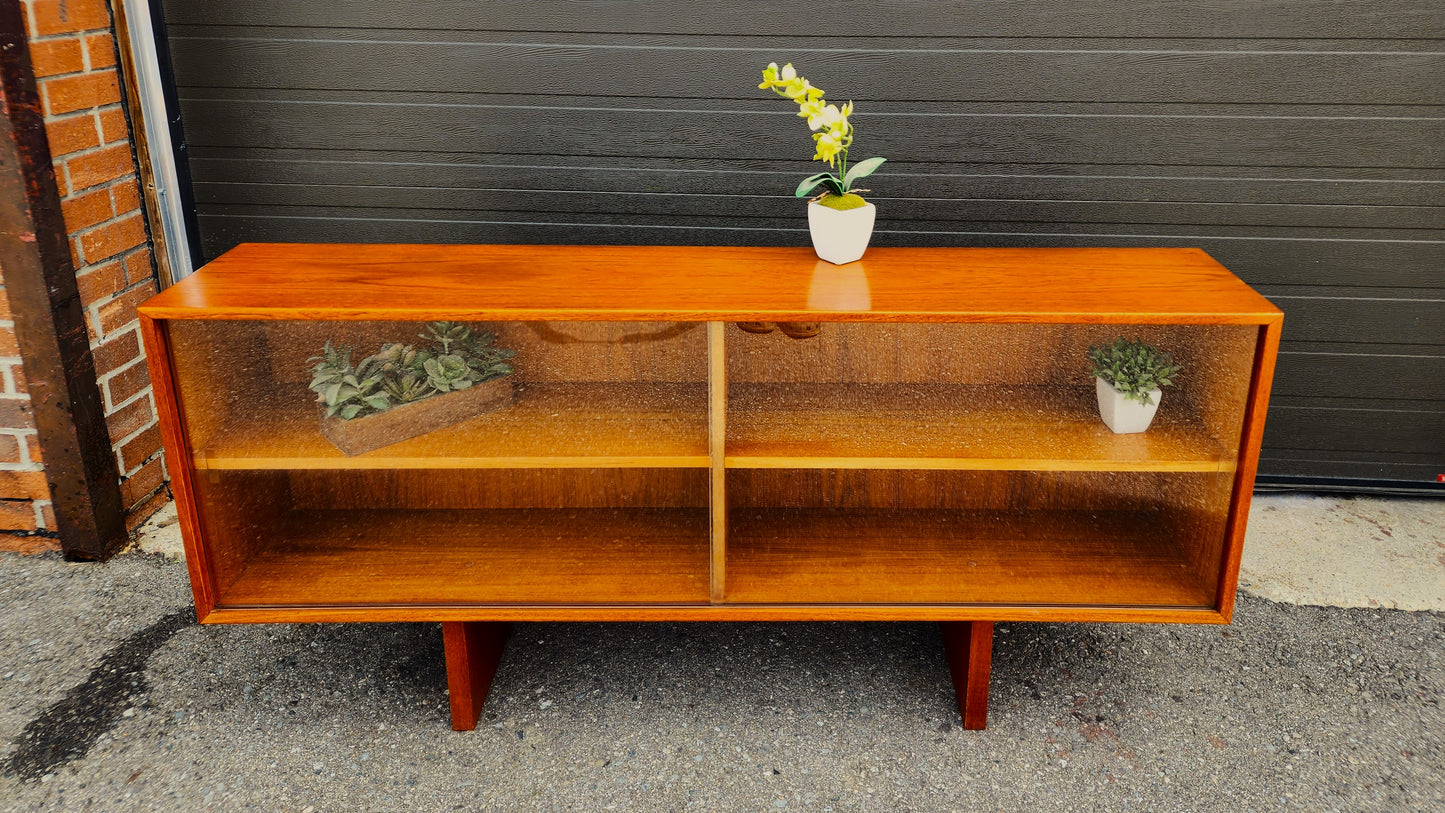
{"x": 403, "y": 390}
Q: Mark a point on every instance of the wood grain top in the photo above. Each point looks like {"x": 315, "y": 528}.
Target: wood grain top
{"x": 497, "y": 282}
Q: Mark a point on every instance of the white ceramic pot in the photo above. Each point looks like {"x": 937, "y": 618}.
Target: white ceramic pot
{"x": 840, "y": 237}
{"x": 1125, "y": 415}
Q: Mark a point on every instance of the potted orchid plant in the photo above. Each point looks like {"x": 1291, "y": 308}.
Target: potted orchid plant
{"x": 839, "y": 220}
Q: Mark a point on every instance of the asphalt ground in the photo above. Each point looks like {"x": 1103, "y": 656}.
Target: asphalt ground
{"x": 113, "y": 698}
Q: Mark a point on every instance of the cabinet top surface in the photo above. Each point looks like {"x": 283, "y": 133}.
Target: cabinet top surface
{"x": 521, "y": 282}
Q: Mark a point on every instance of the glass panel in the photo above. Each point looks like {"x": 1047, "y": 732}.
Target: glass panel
{"x": 580, "y": 394}
{"x": 860, "y": 536}
{"x": 328, "y": 537}
{"x": 969, "y": 464}
{"x": 965, "y": 396}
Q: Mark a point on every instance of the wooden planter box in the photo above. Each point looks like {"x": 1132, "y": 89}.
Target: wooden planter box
{"x": 364, "y": 434}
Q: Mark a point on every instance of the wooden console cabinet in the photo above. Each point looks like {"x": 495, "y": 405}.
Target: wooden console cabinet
{"x": 934, "y": 453}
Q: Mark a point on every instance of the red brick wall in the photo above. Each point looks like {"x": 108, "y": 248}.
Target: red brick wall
{"x": 72, "y": 49}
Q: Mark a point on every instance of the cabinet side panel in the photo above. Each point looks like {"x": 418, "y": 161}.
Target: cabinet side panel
{"x": 221, "y": 366}
{"x": 156, "y": 335}
{"x": 1266, "y": 353}
{"x": 239, "y": 515}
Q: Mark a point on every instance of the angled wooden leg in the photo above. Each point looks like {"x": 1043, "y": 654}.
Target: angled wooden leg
{"x": 969, "y": 648}
{"x": 474, "y": 649}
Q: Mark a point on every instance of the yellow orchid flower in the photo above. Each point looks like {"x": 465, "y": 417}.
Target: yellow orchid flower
{"x": 801, "y": 89}
{"x": 829, "y": 145}
{"x": 770, "y": 76}
{"x": 832, "y": 132}
{"x": 829, "y": 116}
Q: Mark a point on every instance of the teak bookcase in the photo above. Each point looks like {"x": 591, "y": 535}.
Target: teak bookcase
{"x": 934, "y": 454}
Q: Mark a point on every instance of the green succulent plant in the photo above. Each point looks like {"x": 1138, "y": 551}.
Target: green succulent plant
{"x": 449, "y": 372}
{"x": 1134, "y": 368}
{"x": 347, "y": 391}
{"x": 446, "y": 334}
{"x": 408, "y": 387}
{"x": 401, "y": 373}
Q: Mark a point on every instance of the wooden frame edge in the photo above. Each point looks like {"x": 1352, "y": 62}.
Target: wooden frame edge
{"x": 1266, "y": 352}
{"x": 156, "y": 338}
{"x": 717, "y": 403}
{"x": 712, "y": 612}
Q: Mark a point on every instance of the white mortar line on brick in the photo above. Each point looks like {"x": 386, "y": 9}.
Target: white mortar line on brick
{"x": 158, "y": 453}
{"x": 60, "y": 35}
{"x": 63, "y": 161}
{"x": 110, "y": 221}
{"x": 132, "y": 436}
{"x": 132, "y": 325}
{"x": 113, "y": 220}
{"x": 25, "y": 463}
{"x": 22, "y": 438}
{"x": 39, "y": 507}
{"x": 145, "y": 393}
{"x": 94, "y": 310}
{"x": 104, "y": 382}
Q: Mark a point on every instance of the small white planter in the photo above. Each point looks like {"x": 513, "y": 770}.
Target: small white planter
{"x": 840, "y": 237}
{"x": 1124, "y": 415}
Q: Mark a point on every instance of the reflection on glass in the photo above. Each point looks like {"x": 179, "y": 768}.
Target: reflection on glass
{"x": 839, "y": 287}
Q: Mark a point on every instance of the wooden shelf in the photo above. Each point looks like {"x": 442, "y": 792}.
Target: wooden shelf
{"x": 940, "y": 426}
{"x": 502, "y": 557}
{"x": 1012, "y": 558}
{"x": 590, "y": 425}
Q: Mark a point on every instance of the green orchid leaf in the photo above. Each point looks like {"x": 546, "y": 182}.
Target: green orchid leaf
{"x": 861, "y": 170}
{"x": 811, "y": 182}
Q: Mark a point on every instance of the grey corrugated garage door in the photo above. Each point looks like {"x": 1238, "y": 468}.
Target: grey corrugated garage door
{"x": 1301, "y": 142}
